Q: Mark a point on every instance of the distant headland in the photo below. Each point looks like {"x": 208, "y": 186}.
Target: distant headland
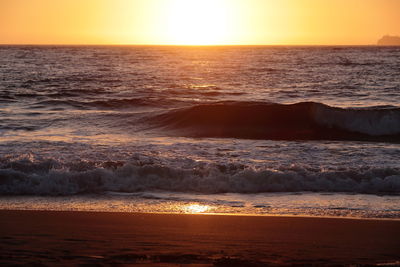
{"x": 389, "y": 40}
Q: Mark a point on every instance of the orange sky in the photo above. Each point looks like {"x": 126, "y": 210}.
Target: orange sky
{"x": 320, "y": 22}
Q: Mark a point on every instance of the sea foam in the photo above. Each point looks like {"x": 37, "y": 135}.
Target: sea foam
{"x": 46, "y": 178}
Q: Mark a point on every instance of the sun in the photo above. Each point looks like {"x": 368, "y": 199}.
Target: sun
{"x": 198, "y": 22}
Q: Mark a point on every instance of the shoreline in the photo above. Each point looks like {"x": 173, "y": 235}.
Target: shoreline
{"x": 68, "y": 237}
{"x": 205, "y": 214}
{"x": 358, "y": 207}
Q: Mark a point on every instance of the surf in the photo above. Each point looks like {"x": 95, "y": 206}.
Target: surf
{"x": 272, "y": 121}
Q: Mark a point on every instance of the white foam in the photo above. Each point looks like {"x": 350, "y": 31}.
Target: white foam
{"x": 208, "y": 178}
{"x": 372, "y": 122}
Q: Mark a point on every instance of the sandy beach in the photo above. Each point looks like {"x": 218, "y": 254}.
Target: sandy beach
{"x": 74, "y": 238}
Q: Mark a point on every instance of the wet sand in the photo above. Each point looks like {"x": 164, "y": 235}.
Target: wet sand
{"x": 75, "y": 238}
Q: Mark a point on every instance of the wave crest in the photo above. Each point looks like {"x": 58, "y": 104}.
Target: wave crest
{"x": 49, "y": 178}
{"x": 301, "y": 121}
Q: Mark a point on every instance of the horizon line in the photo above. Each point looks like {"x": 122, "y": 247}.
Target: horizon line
{"x": 176, "y": 45}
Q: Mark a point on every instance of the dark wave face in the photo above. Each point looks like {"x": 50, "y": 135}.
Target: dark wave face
{"x": 302, "y": 121}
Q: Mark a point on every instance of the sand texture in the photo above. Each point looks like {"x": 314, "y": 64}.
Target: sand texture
{"x": 104, "y": 239}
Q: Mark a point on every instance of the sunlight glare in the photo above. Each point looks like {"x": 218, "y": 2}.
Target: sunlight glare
{"x": 198, "y": 22}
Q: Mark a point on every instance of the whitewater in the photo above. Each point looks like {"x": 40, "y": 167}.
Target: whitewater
{"x": 310, "y": 131}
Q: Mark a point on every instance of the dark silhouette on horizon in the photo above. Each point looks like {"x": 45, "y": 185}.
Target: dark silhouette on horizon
{"x": 389, "y": 40}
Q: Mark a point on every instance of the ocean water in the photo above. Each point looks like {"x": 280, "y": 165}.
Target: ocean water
{"x": 311, "y": 131}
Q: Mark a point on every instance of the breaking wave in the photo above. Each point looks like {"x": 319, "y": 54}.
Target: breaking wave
{"x": 301, "y": 121}
{"x": 53, "y": 178}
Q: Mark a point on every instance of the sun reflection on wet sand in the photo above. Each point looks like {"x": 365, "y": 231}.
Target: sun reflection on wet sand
{"x": 196, "y": 208}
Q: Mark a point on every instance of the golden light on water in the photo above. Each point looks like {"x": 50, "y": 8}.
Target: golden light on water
{"x": 196, "y": 208}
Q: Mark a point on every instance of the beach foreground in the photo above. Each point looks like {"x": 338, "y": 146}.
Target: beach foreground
{"x": 74, "y": 238}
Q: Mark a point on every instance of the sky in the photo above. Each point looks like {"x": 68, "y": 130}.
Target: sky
{"x": 198, "y": 22}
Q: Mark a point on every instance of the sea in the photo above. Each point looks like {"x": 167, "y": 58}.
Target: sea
{"x": 238, "y": 130}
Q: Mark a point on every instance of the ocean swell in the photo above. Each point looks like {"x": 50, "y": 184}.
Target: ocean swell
{"x": 301, "y": 121}
{"x": 107, "y": 103}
